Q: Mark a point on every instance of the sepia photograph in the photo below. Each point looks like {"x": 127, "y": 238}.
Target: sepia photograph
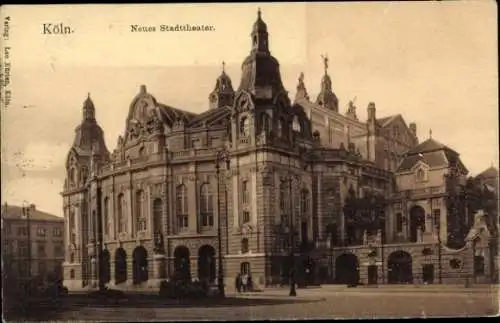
{"x": 251, "y": 161}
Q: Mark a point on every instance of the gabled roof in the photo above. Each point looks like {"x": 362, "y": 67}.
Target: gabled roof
{"x": 170, "y": 114}
{"x": 431, "y": 159}
{"x": 491, "y": 172}
{"x": 430, "y": 145}
{"x": 15, "y": 212}
{"x": 386, "y": 120}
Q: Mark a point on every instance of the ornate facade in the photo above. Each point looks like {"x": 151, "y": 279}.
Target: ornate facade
{"x": 353, "y": 199}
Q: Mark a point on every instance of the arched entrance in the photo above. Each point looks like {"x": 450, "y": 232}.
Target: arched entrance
{"x": 106, "y": 267}
{"x": 417, "y": 219}
{"x": 120, "y": 266}
{"x": 309, "y": 271}
{"x": 181, "y": 263}
{"x": 347, "y": 269}
{"x": 140, "y": 265}
{"x": 399, "y": 265}
{"x": 206, "y": 263}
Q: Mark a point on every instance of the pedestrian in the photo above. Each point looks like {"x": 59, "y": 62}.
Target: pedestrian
{"x": 249, "y": 283}
{"x": 237, "y": 282}
{"x": 244, "y": 282}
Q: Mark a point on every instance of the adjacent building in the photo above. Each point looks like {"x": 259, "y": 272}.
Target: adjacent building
{"x": 353, "y": 200}
{"x": 32, "y": 243}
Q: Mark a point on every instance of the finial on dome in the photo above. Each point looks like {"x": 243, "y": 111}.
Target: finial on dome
{"x": 143, "y": 88}
{"x": 88, "y": 95}
{"x": 430, "y": 133}
{"x": 259, "y": 13}
{"x": 223, "y": 67}
{"x": 325, "y": 62}
{"x": 301, "y": 77}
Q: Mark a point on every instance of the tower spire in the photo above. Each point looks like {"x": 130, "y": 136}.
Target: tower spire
{"x": 325, "y": 63}
{"x": 430, "y": 133}
{"x": 223, "y": 67}
{"x": 259, "y": 13}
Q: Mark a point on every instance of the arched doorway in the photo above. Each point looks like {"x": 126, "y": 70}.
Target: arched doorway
{"x": 417, "y": 220}
{"x": 106, "y": 267}
{"x": 206, "y": 263}
{"x": 120, "y": 266}
{"x": 309, "y": 271}
{"x": 347, "y": 269}
{"x": 140, "y": 265}
{"x": 399, "y": 265}
{"x": 181, "y": 263}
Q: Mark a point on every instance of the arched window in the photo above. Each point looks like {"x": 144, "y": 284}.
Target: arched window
{"x": 72, "y": 176}
{"x": 105, "y": 218}
{"x": 122, "y": 221}
{"x": 304, "y": 203}
{"x": 283, "y": 204}
{"x": 206, "y": 205}
{"x": 244, "y": 245}
{"x": 139, "y": 211}
{"x": 85, "y": 174}
{"x": 281, "y": 126}
{"x": 245, "y": 193}
{"x": 296, "y": 124}
{"x": 265, "y": 123}
{"x": 244, "y": 127}
{"x": 157, "y": 215}
{"x": 72, "y": 274}
{"x": 181, "y": 207}
{"x": 420, "y": 174}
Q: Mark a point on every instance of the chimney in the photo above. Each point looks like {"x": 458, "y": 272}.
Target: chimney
{"x": 32, "y": 207}
{"x": 371, "y": 111}
{"x": 413, "y": 128}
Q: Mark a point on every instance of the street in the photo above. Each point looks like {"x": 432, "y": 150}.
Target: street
{"x": 309, "y": 304}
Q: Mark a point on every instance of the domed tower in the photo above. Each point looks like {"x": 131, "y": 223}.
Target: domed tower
{"x": 223, "y": 94}
{"x": 326, "y": 97}
{"x": 261, "y": 104}
{"x": 88, "y": 142}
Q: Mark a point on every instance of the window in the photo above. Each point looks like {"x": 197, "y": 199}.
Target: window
{"x": 72, "y": 257}
{"x": 206, "y": 205}
{"x": 22, "y": 231}
{"x": 399, "y": 222}
{"x": 284, "y": 218}
{"x": 244, "y": 127}
{"x": 72, "y": 274}
{"x": 41, "y": 250}
{"x": 157, "y": 215}
{"x": 395, "y": 132}
{"x": 181, "y": 205}
{"x": 280, "y": 127}
{"x": 436, "y": 216}
{"x": 58, "y": 250}
{"x": 245, "y": 193}
{"x": 57, "y": 232}
{"x": 22, "y": 248}
{"x": 122, "y": 221}
{"x": 105, "y": 218}
{"x": 296, "y": 124}
{"x": 7, "y": 228}
{"x": 41, "y": 232}
{"x": 42, "y": 268}
{"x": 304, "y": 203}
{"x": 246, "y": 216}
{"x": 420, "y": 174}
{"x": 6, "y": 247}
{"x": 265, "y": 123}
{"x": 139, "y": 211}
{"x": 244, "y": 245}
{"x": 85, "y": 173}
{"x": 23, "y": 269}
{"x": 283, "y": 201}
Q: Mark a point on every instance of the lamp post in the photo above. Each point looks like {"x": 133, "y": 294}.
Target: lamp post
{"x": 293, "y": 292}
{"x": 222, "y": 156}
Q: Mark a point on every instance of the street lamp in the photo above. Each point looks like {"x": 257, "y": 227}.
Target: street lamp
{"x": 222, "y": 156}
{"x": 289, "y": 178}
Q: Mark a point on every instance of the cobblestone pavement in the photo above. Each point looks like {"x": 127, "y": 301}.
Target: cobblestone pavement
{"x": 307, "y": 305}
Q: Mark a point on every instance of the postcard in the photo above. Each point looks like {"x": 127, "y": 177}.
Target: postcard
{"x": 249, "y": 161}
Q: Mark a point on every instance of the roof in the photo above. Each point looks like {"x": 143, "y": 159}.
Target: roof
{"x": 429, "y": 145}
{"x": 386, "y": 120}
{"x": 491, "y": 172}
{"x": 432, "y": 159}
{"x": 14, "y": 212}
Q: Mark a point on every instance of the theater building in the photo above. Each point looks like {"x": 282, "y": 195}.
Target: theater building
{"x": 353, "y": 200}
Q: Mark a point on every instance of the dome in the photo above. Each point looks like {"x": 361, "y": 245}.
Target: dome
{"x": 259, "y": 25}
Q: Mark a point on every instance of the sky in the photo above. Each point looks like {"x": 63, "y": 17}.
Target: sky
{"x": 433, "y": 62}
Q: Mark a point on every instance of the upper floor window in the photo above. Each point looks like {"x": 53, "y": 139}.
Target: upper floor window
{"x": 22, "y": 231}
{"x": 122, "y": 220}
{"x": 420, "y": 174}
{"x": 266, "y": 127}
{"x": 57, "y": 232}
{"x": 22, "y": 248}
{"x": 296, "y": 124}
{"x": 41, "y": 231}
{"x": 304, "y": 203}
{"x": 105, "y": 220}
{"x": 283, "y": 199}
{"x": 181, "y": 207}
{"x": 41, "y": 250}
{"x": 245, "y": 192}
{"x": 157, "y": 215}
{"x": 244, "y": 127}
{"x": 244, "y": 245}
{"x": 399, "y": 222}
{"x": 139, "y": 211}
{"x": 206, "y": 205}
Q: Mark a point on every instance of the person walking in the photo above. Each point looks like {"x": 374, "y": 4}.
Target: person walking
{"x": 237, "y": 282}
{"x": 244, "y": 282}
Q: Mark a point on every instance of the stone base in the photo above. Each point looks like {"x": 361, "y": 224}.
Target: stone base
{"x": 73, "y": 284}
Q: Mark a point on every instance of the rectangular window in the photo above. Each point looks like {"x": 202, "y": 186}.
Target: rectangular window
{"x": 22, "y": 248}
{"x": 183, "y": 221}
{"x": 41, "y": 250}
{"x": 399, "y": 222}
{"x": 22, "y": 231}
{"x": 436, "y": 215}
{"x": 57, "y": 232}
{"x": 246, "y": 199}
{"x": 246, "y": 216}
{"x": 41, "y": 232}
